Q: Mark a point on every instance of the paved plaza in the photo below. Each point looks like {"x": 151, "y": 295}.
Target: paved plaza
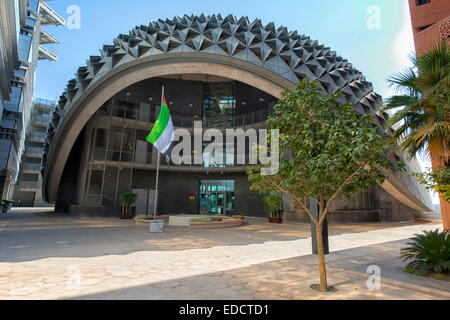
{"x": 47, "y": 257}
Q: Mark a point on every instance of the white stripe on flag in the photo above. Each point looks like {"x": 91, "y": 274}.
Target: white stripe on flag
{"x": 166, "y": 138}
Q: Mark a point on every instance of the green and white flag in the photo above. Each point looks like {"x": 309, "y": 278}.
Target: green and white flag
{"x": 163, "y": 134}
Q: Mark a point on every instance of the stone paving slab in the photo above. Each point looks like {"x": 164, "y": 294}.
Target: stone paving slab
{"x": 246, "y": 265}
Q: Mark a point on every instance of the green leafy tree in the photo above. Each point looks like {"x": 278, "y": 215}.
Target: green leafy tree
{"x": 438, "y": 180}
{"x": 329, "y": 152}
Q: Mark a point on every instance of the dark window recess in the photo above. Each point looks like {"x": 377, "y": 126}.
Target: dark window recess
{"x": 422, "y": 2}
{"x": 423, "y": 28}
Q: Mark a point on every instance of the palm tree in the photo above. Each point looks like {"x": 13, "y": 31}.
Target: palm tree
{"x": 422, "y": 108}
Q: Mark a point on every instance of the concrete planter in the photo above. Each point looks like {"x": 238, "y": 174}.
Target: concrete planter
{"x": 275, "y": 220}
{"x": 6, "y": 207}
{"x": 126, "y": 217}
{"x": 157, "y": 226}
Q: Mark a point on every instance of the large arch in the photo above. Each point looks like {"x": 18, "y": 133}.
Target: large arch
{"x": 267, "y": 58}
{"x": 74, "y": 120}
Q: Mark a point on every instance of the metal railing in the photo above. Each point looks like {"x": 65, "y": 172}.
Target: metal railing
{"x": 34, "y": 151}
{"x": 48, "y": 104}
{"x": 138, "y": 159}
{"x": 41, "y": 119}
{"x": 185, "y": 121}
{"x": 37, "y": 136}
{"x": 51, "y": 14}
{"x": 30, "y": 185}
{"x": 32, "y": 167}
{"x": 97, "y": 200}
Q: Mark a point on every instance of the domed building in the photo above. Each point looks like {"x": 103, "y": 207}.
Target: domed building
{"x": 219, "y": 72}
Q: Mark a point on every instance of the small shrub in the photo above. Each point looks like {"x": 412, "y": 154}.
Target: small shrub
{"x": 428, "y": 252}
{"x": 141, "y": 217}
{"x": 201, "y": 220}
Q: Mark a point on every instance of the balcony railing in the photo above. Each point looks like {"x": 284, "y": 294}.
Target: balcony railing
{"x": 144, "y": 160}
{"x": 95, "y": 200}
{"x": 50, "y": 16}
{"x": 30, "y": 186}
{"x": 47, "y": 54}
{"x": 44, "y": 104}
{"x": 184, "y": 121}
{"x": 32, "y": 168}
{"x": 37, "y": 137}
{"x": 41, "y": 120}
{"x": 34, "y": 152}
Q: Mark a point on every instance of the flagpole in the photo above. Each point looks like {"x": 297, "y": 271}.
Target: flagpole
{"x": 157, "y": 168}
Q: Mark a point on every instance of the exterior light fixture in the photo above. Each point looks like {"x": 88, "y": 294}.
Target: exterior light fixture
{"x": 150, "y": 98}
{"x": 244, "y": 103}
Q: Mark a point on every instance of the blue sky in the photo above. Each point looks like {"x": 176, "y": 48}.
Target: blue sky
{"x": 340, "y": 25}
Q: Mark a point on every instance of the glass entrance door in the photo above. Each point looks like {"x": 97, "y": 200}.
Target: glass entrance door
{"x": 216, "y": 197}
{"x": 216, "y": 203}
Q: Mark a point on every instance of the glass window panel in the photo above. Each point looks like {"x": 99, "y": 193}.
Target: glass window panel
{"x": 219, "y": 103}
{"x": 109, "y": 188}
{"x": 128, "y": 145}
{"x": 125, "y": 175}
{"x": 95, "y": 188}
{"x": 216, "y": 197}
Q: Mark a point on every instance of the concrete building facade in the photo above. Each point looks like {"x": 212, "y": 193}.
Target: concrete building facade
{"x": 225, "y": 72}
{"x": 430, "y": 22}
{"x": 22, "y": 45}
{"x": 28, "y": 191}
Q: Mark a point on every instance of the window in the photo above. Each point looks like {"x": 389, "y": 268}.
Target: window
{"x": 225, "y": 152}
{"x": 422, "y": 2}
{"x": 219, "y": 101}
{"x": 217, "y": 197}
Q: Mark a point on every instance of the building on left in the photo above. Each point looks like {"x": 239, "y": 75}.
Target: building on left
{"x": 23, "y": 42}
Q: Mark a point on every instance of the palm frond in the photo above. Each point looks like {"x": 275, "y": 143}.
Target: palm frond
{"x": 422, "y": 114}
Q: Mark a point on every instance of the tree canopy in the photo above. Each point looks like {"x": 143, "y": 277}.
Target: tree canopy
{"x": 329, "y": 151}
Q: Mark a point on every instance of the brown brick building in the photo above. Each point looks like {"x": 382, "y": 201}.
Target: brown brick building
{"x": 430, "y": 22}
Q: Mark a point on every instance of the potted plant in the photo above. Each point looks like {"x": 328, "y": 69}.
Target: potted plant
{"x": 273, "y": 206}
{"x": 6, "y": 205}
{"x": 127, "y": 200}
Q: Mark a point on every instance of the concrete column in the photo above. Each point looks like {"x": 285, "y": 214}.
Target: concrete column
{"x": 87, "y": 146}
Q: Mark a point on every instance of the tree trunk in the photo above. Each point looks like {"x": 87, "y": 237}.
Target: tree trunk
{"x": 437, "y": 161}
{"x": 322, "y": 266}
